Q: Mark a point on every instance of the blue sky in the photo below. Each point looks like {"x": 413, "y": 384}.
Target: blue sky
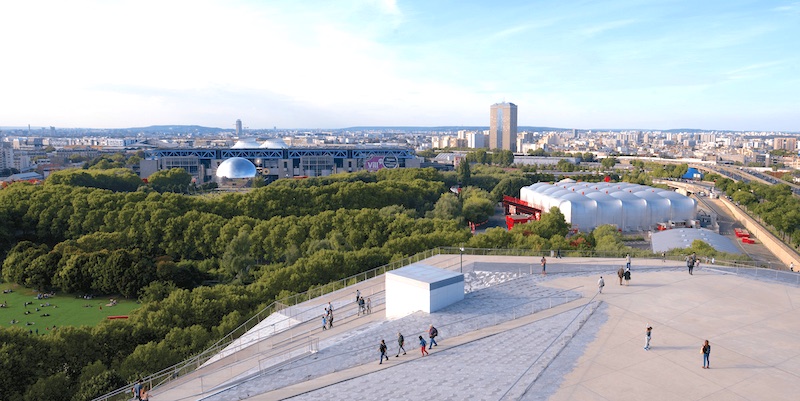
{"x": 732, "y": 65}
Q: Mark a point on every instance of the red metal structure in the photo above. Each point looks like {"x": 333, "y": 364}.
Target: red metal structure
{"x": 519, "y": 211}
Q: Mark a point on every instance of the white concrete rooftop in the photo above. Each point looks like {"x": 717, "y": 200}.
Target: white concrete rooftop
{"x": 554, "y": 338}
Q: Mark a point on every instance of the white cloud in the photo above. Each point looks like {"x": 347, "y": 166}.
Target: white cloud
{"x": 356, "y": 62}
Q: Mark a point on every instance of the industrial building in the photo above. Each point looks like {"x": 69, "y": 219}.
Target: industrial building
{"x": 630, "y": 207}
{"x": 274, "y": 159}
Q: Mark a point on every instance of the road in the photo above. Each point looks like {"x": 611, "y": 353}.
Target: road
{"x": 727, "y": 223}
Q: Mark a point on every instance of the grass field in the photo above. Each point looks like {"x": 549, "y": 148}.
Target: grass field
{"x": 64, "y": 309}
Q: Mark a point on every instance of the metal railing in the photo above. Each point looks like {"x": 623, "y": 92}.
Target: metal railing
{"x": 781, "y": 276}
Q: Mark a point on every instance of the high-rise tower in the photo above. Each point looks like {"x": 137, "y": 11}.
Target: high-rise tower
{"x": 238, "y": 128}
{"x": 503, "y": 126}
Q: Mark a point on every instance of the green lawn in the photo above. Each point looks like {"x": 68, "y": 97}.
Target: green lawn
{"x": 64, "y": 309}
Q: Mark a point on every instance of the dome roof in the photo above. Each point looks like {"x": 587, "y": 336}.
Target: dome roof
{"x": 236, "y": 167}
{"x": 245, "y": 143}
{"x": 274, "y": 143}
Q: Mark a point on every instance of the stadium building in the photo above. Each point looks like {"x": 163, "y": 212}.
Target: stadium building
{"x": 275, "y": 159}
{"x": 586, "y": 205}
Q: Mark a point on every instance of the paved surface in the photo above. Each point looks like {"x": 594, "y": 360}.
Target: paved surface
{"x": 751, "y": 325}
{"x": 493, "y": 348}
{"x": 758, "y": 251}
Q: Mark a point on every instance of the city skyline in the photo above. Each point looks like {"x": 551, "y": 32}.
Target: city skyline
{"x": 620, "y": 64}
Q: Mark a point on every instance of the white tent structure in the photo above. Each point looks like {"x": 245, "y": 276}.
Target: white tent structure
{"x": 246, "y": 143}
{"x": 631, "y": 207}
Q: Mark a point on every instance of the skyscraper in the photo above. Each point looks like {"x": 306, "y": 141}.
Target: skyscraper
{"x": 503, "y": 126}
{"x": 238, "y": 127}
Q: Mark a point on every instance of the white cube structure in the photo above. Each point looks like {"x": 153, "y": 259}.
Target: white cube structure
{"x": 420, "y": 287}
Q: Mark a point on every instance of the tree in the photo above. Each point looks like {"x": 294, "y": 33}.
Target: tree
{"x": 15, "y": 266}
{"x": 745, "y": 198}
{"x": 41, "y": 270}
{"x": 565, "y": 165}
{"x": 171, "y": 180}
{"x": 510, "y": 186}
{"x": 237, "y": 260}
{"x": 478, "y": 156}
{"x": 608, "y": 239}
{"x": 56, "y": 387}
{"x": 95, "y": 381}
{"x": 552, "y": 223}
{"x": 502, "y": 157}
{"x": 114, "y": 179}
{"x": 608, "y": 163}
{"x": 448, "y": 207}
{"x": 463, "y": 172}
{"x": 477, "y": 209}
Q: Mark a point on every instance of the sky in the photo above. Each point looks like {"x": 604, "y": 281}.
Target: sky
{"x": 646, "y": 64}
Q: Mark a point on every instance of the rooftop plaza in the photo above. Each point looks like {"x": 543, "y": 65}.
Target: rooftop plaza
{"x": 521, "y": 335}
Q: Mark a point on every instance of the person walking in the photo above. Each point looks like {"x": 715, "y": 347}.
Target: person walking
{"x": 137, "y": 390}
{"x": 432, "y": 333}
{"x": 706, "y": 350}
{"x": 330, "y": 319}
{"x": 400, "y": 342}
{"x": 600, "y": 284}
{"x": 324, "y": 322}
{"x": 627, "y": 276}
{"x": 358, "y": 295}
{"x": 647, "y": 332}
{"x": 544, "y": 265}
{"x": 382, "y": 348}
{"x": 361, "y": 306}
{"x": 369, "y": 306}
{"x": 621, "y": 274}
{"x": 690, "y": 264}
{"x": 422, "y": 345}
{"x": 145, "y": 394}
{"x": 628, "y": 261}
{"x": 663, "y": 256}
{"x": 330, "y": 307}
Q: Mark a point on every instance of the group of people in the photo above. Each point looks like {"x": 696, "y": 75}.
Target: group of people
{"x": 624, "y": 273}
{"x": 140, "y": 391}
{"x": 705, "y": 349}
{"x": 364, "y": 307}
{"x": 432, "y": 334}
{"x": 327, "y": 318}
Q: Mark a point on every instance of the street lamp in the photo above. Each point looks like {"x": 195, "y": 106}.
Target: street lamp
{"x": 461, "y": 258}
